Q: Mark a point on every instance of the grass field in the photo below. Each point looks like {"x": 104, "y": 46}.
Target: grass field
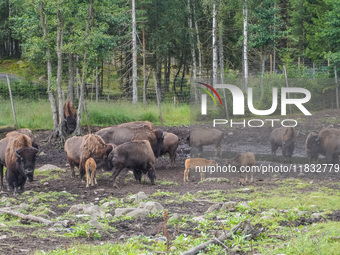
{"x": 37, "y": 114}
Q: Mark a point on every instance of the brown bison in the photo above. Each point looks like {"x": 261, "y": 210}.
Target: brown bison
{"x": 3, "y": 146}
{"x": 20, "y": 159}
{"x": 90, "y": 169}
{"x": 327, "y": 143}
{"x": 245, "y": 160}
{"x": 136, "y": 155}
{"x": 79, "y": 148}
{"x": 170, "y": 145}
{"x": 200, "y": 137}
{"x": 138, "y": 130}
{"x": 311, "y": 147}
{"x": 284, "y": 137}
{"x": 70, "y": 116}
{"x": 197, "y": 164}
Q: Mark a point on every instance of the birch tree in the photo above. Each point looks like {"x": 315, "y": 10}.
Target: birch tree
{"x": 245, "y": 45}
{"x": 134, "y": 55}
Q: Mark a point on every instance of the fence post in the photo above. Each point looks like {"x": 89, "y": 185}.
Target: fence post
{"x": 336, "y": 88}
{"x": 158, "y": 99}
{"x": 286, "y": 79}
{"x": 12, "y": 103}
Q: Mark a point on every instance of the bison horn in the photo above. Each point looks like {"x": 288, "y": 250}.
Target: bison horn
{"x": 17, "y": 154}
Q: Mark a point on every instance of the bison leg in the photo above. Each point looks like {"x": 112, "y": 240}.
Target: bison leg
{"x": 274, "y": 148}
{"x": 2, "y": 176}
{"x": 152, "y": 174}
{"x": 72, "y": 165}
{"x": 115, "y": 174}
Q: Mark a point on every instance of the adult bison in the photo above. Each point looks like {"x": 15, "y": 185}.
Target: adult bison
{"x": 200, "y": 137}
{"x": 327, "y": 143}
{"x": 20, "y": 159}
{"x": 3, "y": 146}
{"x": 136, "y": 155}
{"x": 80, "y": 148}
{"x": 138, "y": 130}
{"x": 70, "y": 116}
{"x": 170, "y": 145}
{"x": 312, "y": 147}
{"x": 284, "y": 137}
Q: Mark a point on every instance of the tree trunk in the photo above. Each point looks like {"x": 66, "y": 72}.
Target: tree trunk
{"x": 214, "y": 44}
{"x": 193, "y": 52}
{"x": 198, "y": 47}
{"x": 263, "y": 61}
{"x": 60, "y": 34}
{"x": 84, "y": 72}
{"x": 70, "y": 94}
{"x": 97, "y": 84}
{"x": 245, "y": 46}
{"x": 144, "y": 71}
{"x": 49, "y": 67}
{"x": 134, "y": 55}
{"x": 221, "y": 57}
{"x": 108, "y": 80}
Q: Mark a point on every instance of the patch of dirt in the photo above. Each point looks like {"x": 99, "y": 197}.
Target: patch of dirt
{"x": 241, "y": 139}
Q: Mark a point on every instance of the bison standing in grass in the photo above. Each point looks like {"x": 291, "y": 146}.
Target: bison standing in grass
{"x": 284, "y": 137}
{"x": 3, "y": 146}
{"x": 20, "y": 159}
{"x": 197, "y": 164}
{"x": 135, "y": 155}
{"x": 138, "y": 130}
{"x": 312, "y": 147}
{"x": 70, "y": 116}
{"x": 80, "y": 148}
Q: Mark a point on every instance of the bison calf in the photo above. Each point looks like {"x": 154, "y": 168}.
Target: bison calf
{"x": 90, "y": 169}
{"x": 197, "y": 163}
{"x": 245, "y": 159}
{"x": 284, "y": 137}
{"x": 137, "y": 155}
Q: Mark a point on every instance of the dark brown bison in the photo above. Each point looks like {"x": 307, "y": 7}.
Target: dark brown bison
{"x": 138, "y": 130}
{"x": 80, "y": 148}
{"x": 245, "y": 160}
{"x": 284, "y": 137}
{"x": 200, "y": 137}
{"x": 3, "y": 146}
{"x": 311, "y": 147}
{"x": 327, "y": 143}
{"x": 20, "y": 161}
{"x": 170, "y": 145}
{"x": 70, "y": 116}
{"x": 136, "y": 155}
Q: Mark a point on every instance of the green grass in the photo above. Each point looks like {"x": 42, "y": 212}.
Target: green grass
{"x": 37, "y": 114}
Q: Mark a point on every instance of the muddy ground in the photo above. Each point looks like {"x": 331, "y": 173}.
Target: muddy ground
{"x": 236, "y": 140}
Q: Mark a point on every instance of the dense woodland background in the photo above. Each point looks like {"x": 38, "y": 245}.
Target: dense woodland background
{"x": 106, "y": 50}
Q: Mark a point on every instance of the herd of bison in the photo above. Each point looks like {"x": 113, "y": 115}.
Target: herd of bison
{"x": 137, "y": 145}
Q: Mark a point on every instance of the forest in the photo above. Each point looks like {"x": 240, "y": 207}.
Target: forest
{"x": 110, "y": 50}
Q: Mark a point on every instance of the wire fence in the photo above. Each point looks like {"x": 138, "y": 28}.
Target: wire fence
{"x": 304, "y": 73}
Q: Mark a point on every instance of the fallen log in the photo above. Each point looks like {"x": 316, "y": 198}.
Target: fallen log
{"x": 28, "y": 217}
{"x": 224, "y": 236}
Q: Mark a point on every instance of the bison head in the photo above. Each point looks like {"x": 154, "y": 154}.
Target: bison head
{"x": 26, "y": 159}
{"x": 70, "y": 124}
{"x": 288, "y": 147}
{"x": 160, "y": 138}
{"x": 313, "y": 147}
